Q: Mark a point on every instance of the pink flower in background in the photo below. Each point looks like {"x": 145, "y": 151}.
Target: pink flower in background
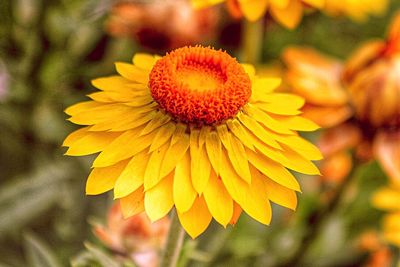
{"x": 135, "y": 237}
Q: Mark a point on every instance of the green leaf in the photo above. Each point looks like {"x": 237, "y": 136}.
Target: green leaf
{"x": 24, "y": 199}
{"x": 38, "y": 253}
{"x": 102, "y": 257}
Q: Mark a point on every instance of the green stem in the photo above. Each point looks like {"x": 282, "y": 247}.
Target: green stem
{"x": 174, "y": 243}
{"x": 252, "y": 41}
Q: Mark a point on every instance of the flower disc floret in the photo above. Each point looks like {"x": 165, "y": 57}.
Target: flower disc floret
{"x": 200, "y": 85}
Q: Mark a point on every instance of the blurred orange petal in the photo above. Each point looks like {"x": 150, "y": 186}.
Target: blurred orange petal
{"x": 362, "y": 57}
{"x": 336, "y": 167}
{"x": 339, "y": 138}
{"x": 327, "y": 117}
{"x": 387, "y": 151}
{"x": 315, "y": 76}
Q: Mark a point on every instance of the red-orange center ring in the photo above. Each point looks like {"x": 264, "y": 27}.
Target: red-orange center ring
{"x": 199, "y": 85}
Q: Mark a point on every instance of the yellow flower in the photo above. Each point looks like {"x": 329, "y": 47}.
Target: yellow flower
{"x": 290, "y": 12}
{"x": 388, "y": 199}
{"x": 195, "y": 130}
{"x": 287, "y": 12}
{"x": 357, "y": 10}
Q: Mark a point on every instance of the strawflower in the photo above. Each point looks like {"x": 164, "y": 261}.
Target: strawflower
{"x": 290, "y": 12}
{"x": 146, "y": 23}
{"x": 195, "y": 130}
{"x": 135, "y": 237}
{"x": 359, "y": 102}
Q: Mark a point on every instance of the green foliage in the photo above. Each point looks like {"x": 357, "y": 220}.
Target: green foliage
{"x": 51, "y": 51}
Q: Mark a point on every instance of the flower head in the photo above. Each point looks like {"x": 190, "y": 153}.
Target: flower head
{"x": 290, "y": 12}
{"x": 358, "y": 100}
{"x": 145, "y": 22}
{"x": 135, "y": 237}
{"x": 195, "y": 130}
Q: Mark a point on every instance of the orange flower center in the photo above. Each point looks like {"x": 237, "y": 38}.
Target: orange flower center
{"x": 199, "y": 85}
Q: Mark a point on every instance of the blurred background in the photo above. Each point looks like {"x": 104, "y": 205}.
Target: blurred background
{"x": 49, "y": 53}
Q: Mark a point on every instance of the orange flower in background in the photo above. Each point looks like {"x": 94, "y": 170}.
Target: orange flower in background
{"x": 379, "y": 253}
{"x": 359, "y": 102}
{"x": 317, "y": 78}
{"x": 135, "y": 237}
{"x": 162, "y": 25}
{"x": 290, "y": 12}
{"x": 195, "y": 130}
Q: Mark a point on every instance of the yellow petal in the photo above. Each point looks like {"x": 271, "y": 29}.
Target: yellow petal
{"x": 264, "y": 86}
{"x": 140, "y": 101}
{"x": 251, "y": 197}
{"x": 277, "y": 193}
{"x": 100, "y": 97}
{"x": 196, "y": 220}
{"x": 184, "y": 193}
{"x": 158, "y": 201}
{"x": 205, "y": 3}
{"x": 81, "y": 107}
{"x": 253, "y": 9}
{"x": 91, "y": 142}
{"x": 298, "y": 163}
{"x": 133, "y": 203}
{"x": 266, "y": 120}
{"x": 174, "y": 154}
{"x": 279, "y": 3}
{"x": 213, "y": 147}
{"x": 111, "y": 83}
{"x": 128, "y": 94}
{"x": 223, "y": 135}
{"x": 239, "y": 131}
{"x": 204, "y": 131}
{"x": 75, "y": 136}
{"x": 290, "y": 16}
{"x": 135, "y": 118}
{"x": 297, "y": 123}
{"x": 144, "y": 61}
{"x": 301, "y": 146}
{"x": 386, "y": 199}
{"x": 102, "y": 180}
{"x": 163, "y": 135}
{"x": 249, "y": 69}
{"x": 238, "y": 158}
{"x": 101, "y": 114}
{"x": 134, "y": 122}
{"x": 278, "y": 108}
{"x": 219, "y": 202}
{"x": 152, "y": 174}
{"x": 179, "y": 132}
{"x": 125, "y": 146}
{"x": 315, "y": 3}
{"x": 132, "y": 72}
{"x": 132, "y": 176}
{"x": 281, "y": 103}
{"x": 273, "y": 170}
{"x": 266, "y": 150}
{"x": 159, "y": 120}
{"x": 200, "y": 164}
{"x": 256, "y": 203}
{"x": 237, "y": 211}
{"x": 258, "y": 130}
